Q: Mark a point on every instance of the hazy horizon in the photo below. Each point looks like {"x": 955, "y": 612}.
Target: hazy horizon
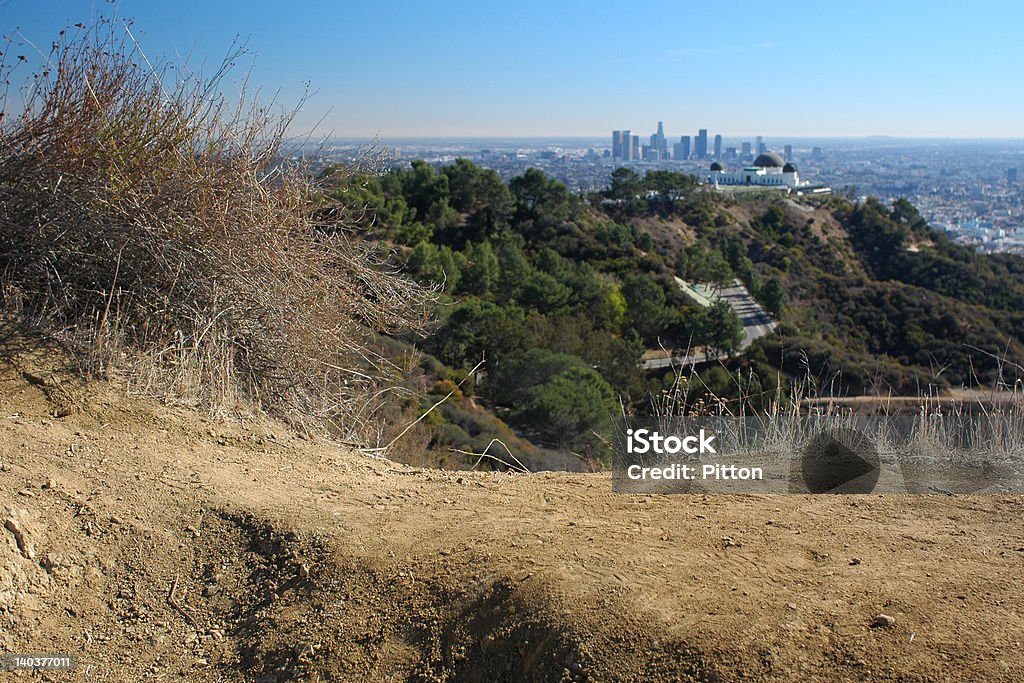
{"x": 607, "y": 136}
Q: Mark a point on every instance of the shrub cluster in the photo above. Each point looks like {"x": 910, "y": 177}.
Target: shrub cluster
{"x": 163, "y": 228}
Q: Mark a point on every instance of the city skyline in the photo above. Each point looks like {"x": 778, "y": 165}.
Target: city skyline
{"x": 628, "y": 147}
{"x": 792, "y": 69}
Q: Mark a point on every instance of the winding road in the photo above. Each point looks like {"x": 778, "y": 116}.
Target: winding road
{"x": 756, "y": 322}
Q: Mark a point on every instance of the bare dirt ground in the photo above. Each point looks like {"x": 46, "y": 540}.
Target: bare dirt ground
{"x": 156, "y": 544}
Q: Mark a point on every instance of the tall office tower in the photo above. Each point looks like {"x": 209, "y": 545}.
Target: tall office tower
{"x": 746, "y": 149}
{"x": 816, "y": 153}
{"x": 730, "y": 153}
{"x": 1011, "y": 176}
{"x": 718, "y": 148}
{"x": 702, "y": 144}
{"x": 627, "y": 147}
{"x": 788, "y": 152}
{"x": 617, "y": 144}
{"x": 634, "y": 147}
{"x": 659, "y": 138}
{"x": 681, "y": 150}
{"x": 656, "y": 145}
{"x": 760, "y": 145}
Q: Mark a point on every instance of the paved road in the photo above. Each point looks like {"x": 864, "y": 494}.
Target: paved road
{"x": 756, "y": 324}
{"x": 756, "y": 321}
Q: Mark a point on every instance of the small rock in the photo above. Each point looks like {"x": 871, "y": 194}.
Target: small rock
{"x": 883, "y": 621}
{"x": 38, "y": 379}
{"x": 14, "y": 524}
{"x": 28, "y": 493}
{"x": 854, "y": 561}
{"x": 303, "y": 571}
{"x": 49, "y": 485}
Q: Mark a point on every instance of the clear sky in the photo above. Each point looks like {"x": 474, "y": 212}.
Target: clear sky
{"x": 566, "y": 67}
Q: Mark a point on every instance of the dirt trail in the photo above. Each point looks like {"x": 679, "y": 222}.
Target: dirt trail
{"x": 156, "y": 544}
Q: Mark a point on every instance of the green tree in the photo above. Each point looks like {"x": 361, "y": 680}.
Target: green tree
{"x": 423, "y": 187}
{"x": 436, "y": 264}
{"x": 481, "y": 272}
{"x": 668, "y": 182}
{"x": 494, "y": 207}
{"x": 511, "y": 380}
{"x": 476, "y": 330}
{"x": 707, "y": 264}
{"x": 626, "y": 184}
{"x": 538, "y": 198}
{"x": 566, "y": 408}
{"x": 610, "y": 309}
{"x": 463, "y": 184}
{"x": 543, "y": 292}
{"x": 773, "y": 296}
{"x": 724, "y": 328}
{"x": 646, "y": 305}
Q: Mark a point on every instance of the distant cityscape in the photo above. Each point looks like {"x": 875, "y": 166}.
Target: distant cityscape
{"x": 626, "y": 147}
{"x": 970, "y": 189}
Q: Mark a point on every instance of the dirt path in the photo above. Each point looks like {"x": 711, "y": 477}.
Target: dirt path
{"x": 156, "y": 544}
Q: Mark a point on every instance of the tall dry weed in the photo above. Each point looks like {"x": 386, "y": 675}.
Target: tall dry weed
{"x": 167, "y": 231}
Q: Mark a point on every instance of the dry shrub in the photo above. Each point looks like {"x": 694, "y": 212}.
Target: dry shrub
{"x": 160, "y": 229}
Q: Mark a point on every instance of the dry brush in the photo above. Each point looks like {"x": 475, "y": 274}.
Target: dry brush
{"x": 167, "y": 231}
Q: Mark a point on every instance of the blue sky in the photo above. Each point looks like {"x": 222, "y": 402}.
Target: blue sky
{"x": 558, "y": 68}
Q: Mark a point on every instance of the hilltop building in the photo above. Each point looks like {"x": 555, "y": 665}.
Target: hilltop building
{"x": 769, "y": 170}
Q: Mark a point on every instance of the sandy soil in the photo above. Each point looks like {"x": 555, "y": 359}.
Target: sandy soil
{"x": 156, "y": 544}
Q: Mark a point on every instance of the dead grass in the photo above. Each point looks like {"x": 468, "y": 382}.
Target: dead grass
{"x": 163, "y": 230}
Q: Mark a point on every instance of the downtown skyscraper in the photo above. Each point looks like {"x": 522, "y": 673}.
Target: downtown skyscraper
{"x": 681, "y": 150}
{"x": 625, "y": 147}
{"x": 701, "y": 145}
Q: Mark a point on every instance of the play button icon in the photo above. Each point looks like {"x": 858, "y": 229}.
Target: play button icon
{"x": 839, "y": 461}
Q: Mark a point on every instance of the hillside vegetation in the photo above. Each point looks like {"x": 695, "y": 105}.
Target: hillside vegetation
{"x": 561, "y": 294}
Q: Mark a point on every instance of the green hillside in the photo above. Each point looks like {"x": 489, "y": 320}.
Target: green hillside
{"x": 559, "y": 296}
